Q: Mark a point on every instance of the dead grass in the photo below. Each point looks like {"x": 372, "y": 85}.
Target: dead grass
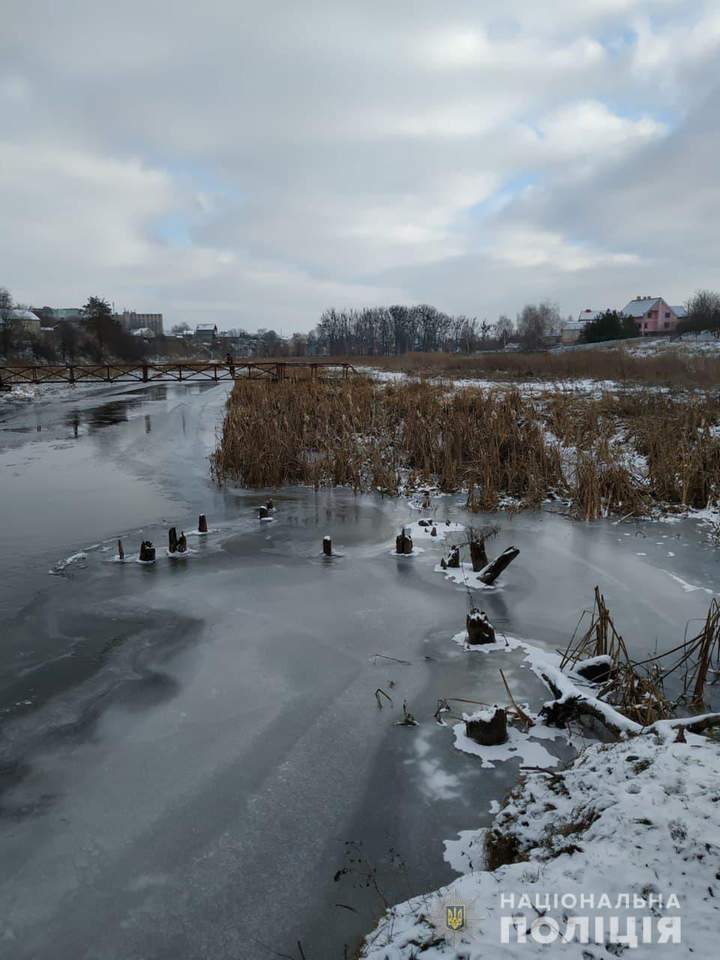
{"x": 670, "y": 368}
{"x": 621, "y": 453}
{"x": 366, "y": 436}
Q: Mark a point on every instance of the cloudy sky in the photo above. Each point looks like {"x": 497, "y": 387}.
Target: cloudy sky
{"x": 252, "y": 163}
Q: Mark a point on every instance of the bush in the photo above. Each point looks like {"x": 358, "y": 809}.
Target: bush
{"x": 610, "y": 325}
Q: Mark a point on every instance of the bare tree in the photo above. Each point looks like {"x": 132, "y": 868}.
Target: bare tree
{"x": 7, "y": 327}
{"x": 703, "y": 312}
{"x": 537, "y": 321}
{"x": 504, "y": 328}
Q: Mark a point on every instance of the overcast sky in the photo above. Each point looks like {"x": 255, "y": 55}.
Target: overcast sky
{"x": 251, "y": 163}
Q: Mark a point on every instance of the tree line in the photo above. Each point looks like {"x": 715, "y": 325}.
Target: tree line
{"x": 99, "y": 337}
{"x": 398, "y": 329}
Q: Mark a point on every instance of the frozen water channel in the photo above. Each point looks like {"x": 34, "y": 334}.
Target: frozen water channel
{"x": 185, "y": 749}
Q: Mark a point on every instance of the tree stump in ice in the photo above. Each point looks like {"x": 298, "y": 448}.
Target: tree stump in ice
{"x": 147, "y": 552}
{"x": 182, "y": 543}
{"x": 479, "y": 628}
{"x": 121, "y": 552}
{"x": 493, "y": 570}
{"x": 453, "y": 559}
{"x": 262, "y": 513}
{"x": 403, "y": 542}
{"x": 478, "y": 555}
{"x": 488, "y": 727}
{"x": 269, "y": 504}
{"x": 202, "y": 523}
{"x": 433, "y": 532}
{"x": 172, "y": 540}
{"x": 327, "y": 546}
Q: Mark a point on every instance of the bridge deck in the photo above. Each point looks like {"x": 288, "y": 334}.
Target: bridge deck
{"x": 183, "y": 371}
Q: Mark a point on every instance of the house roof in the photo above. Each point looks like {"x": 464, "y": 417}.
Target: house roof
{"x": 205, "y": 328}
{"x": 639, "y": 307}
{"x": 679, "y": 311}
{"x": 24, "y": 315}
{"x": 585, "y": 316}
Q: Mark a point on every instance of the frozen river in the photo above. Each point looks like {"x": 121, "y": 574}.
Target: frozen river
{"x": 185, "y": 749}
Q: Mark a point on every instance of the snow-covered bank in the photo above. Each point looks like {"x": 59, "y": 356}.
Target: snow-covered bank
{"x": 619, "y": 850}
{"x": 18, "y": 394}
{"x": 626, "y": 825}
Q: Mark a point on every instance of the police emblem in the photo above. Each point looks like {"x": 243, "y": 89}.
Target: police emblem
{"x": 455, "y": 917}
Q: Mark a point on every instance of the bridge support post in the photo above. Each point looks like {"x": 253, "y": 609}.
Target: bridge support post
{"x": 145, "y": 373}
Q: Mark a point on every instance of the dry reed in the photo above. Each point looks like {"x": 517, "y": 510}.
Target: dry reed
{"x": 676, "y": 368}
{"x": 620, "y": 453}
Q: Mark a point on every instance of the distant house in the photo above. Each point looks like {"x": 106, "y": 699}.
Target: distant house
{"x": 653, "y": 315}
{"x": 206, "y": 332}
{"x": 572, "y": 331}
{"x": 131, "y": 321}
{"x": 25, "y": 320}
{"x": 68, "y": 313}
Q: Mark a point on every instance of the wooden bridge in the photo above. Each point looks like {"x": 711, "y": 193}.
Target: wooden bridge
{"x": 180, "y": 372}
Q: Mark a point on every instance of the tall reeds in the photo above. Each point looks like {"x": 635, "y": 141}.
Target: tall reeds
{"x": 677, "y": 368}
{"x": 366, "y": 436}
{"x": 620, "y": 453}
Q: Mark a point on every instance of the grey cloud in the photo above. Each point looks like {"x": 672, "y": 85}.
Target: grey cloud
{"x": 346, "y": 153}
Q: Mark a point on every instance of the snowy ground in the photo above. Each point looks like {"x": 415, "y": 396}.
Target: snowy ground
{"x": 703, "y": 344}
{"x": 620, "y": 851}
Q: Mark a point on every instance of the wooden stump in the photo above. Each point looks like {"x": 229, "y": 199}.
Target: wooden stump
{"x": 493, "y": 570}
{"x": 182, "y": 542}
{"x": 172, "y": 540}
{"x": 262, "y": 513}
{"x": 270, "y": 505}
{"x": 403, "y": 543}
{"x": 147, "y": 552}
{"x": 595, "y": 670}
{"x": 121, "y": 552}
{"x": 202, "y": 523}
{"x": 433, "y": 532}
{"x": 479, "y": 628}
{"x": 478, "y": 555}
{"x": 453, "y": 559}
{"x": 327, "y": 546}
{"x": 488, "y": 728}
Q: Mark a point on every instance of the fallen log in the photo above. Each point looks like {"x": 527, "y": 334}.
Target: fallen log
{"x": 493, "y": 570}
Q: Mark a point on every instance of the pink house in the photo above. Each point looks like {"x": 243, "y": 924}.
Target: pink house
{"x": 654, "y": 315}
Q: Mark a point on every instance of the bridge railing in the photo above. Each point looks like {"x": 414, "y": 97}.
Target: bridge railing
{"x": 193, "y": 370}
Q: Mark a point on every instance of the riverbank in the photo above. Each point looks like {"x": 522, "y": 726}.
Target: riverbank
{"x": 555, "y": 864}
{"x": 619, "y": 851}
